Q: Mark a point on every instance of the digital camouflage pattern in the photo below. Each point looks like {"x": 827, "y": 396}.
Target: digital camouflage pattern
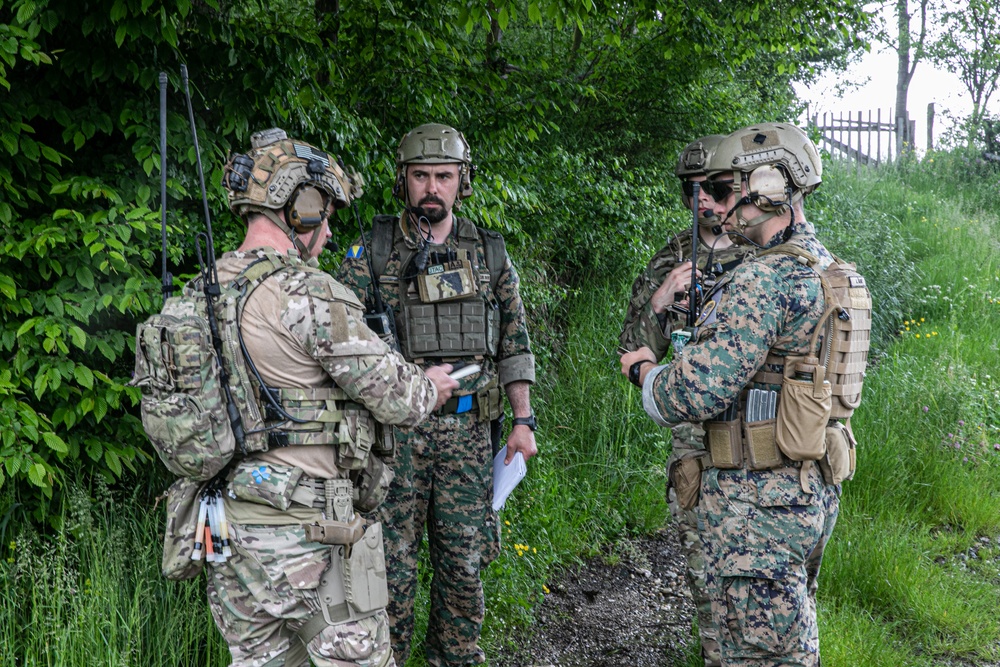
{"x": 642, "y": 328}
{"x": 305, "y": 332}
{"x": 764, "y": 535}
{"x": 267, "y": 590}
{"x": 444, "y": 479}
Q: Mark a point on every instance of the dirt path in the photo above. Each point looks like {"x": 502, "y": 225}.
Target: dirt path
{"x": 636, "y": 613}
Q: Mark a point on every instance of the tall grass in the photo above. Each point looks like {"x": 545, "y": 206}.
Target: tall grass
{"x": 912, "y": 575}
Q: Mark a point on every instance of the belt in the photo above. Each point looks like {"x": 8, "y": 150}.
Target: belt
{"x": 457, "y": 405}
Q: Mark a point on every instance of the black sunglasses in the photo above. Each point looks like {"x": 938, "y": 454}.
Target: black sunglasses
{"x": 717, "y": 190}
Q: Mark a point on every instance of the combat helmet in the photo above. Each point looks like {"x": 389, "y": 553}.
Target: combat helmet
{"x": 434, "y": 143}
{"x": 283, "y": 174}
{"x": 695, "y": 160}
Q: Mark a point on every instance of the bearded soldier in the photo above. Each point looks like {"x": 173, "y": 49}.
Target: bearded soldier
{"x": 455, "y": 296}
{"x": 323, "y": 379}
{"x": 774, "y": 370}
{"x": 649, "y": 322}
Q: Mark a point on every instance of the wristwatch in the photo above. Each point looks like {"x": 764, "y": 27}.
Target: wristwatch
{"x": 635, "y": 369}
{"x": 530, "y": 422}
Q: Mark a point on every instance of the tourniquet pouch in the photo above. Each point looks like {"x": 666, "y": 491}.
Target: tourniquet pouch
{"x": 372, "y": 484}
{"x": 269, "y": 484}
{"x": 803, "y": 412}
{"x": 724, "y": 442}
{"x": 356, "y": 437}
{"x": 364, "y": 572}
{"x": 840, "y": 460}
{"x": 183, "y": 503}
{"x": 685, "y": 478}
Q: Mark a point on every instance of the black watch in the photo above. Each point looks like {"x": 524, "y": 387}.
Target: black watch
{"x": 634, "y": 370}
{"x": 530, "y": 422}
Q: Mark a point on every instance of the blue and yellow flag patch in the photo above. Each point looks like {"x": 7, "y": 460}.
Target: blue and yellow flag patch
{"x": 355, "y": 251}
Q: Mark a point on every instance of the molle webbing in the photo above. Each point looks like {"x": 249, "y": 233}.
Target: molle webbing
{"x": 323, "y": 412}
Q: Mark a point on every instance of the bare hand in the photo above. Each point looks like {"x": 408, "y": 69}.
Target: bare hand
{"x": 445, "y": 385}
{"x": 678, "y": 280}
{"x": 521, "y": 439}
{"x": 642, "y": 354}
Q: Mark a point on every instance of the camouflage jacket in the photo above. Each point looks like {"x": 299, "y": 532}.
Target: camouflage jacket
{"x": 514, "y": 361}
{"x": 642, "y": 326}
{"x": 771, "y": 304}
{"x": 303, "y": 329}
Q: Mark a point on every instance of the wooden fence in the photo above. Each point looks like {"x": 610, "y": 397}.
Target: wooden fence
{"x": 866, "y": 137}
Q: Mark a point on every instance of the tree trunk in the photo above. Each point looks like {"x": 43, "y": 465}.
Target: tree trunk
{"x": 902, "y": 72}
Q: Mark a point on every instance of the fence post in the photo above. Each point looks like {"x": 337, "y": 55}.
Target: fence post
{"x": 878, "y": 138}
{"x": 930, "y": 127}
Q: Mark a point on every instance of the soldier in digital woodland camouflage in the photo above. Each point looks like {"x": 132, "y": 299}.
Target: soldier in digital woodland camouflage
{"x": 649, "y": 322}
{"x": 767, "y": 488}
{"x": 443, "y": 466}
{"x": 280, "y": 599}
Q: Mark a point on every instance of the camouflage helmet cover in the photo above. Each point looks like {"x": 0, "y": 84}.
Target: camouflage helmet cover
{"x": 696, "y": 158}
{"x": 434, "y": 143}
{"x": 771, "y": 145}
{"x": 269, "y": 174}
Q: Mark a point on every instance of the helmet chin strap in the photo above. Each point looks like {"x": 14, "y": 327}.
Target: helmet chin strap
{"x": 290, "y": 233}
{"x": 744, "y": 223}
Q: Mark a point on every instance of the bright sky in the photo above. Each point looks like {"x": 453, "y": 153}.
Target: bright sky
{"x": 873, "y": 87}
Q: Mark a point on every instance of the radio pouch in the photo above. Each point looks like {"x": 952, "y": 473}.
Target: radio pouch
{"x": 804, "y": 409}
{"x": 840, "y": 460}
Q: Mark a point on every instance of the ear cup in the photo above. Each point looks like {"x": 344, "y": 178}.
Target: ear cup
{"x": 767, "y": 183}
{"x": 307, "y": 209}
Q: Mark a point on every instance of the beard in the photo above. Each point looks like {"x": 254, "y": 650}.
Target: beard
{"x": 433, "y": 215}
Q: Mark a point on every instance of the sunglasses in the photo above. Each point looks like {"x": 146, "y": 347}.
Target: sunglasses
{"x": 717, "y": 190}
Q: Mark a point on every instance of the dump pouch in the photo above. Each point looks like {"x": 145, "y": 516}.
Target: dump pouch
{"x": 371, "y": 484}
{"x": 364, "y": 572}
{"x": 804, "y": 410}
{"x": 684, "y": 477}
{"x": 270, "y": 484}
{"x": 724, "y": 443}
{"x": 183, "y": 503}
{"x": 840, "y": 460}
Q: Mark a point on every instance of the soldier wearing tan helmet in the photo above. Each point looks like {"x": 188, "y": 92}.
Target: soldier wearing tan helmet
{"x": 454, "y": 292}
{"x": 774, "y": 371}
{"x": 649, "y": 323}
{"x": 294, "y": 500}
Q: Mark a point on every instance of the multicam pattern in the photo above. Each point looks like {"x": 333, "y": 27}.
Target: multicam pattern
{"x": 642, "y": 328}
{"x": 263, "y": 594}
{"x": 443, "y": 478}
{"x": 764, "y": 536}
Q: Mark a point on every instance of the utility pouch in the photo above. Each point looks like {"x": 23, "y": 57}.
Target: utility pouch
{"x": 492, "y": 327}
{"x": 725, "y": 444}
{"x": 371, "y": 485}
{"x": 444, "y": 282}
{"x": 804, "y": 410}
{"x": 840, "y": 460}
{"x": 490, "y": 404}
{"x": 684, "y": 477}
{"x": 364, "y": 572}
{"x": 183, "y": 503}
{"x": 762, "y": 449}
{"x": 268, "y": 484}
{"x": 329, "y": 531}
{"x": 355, "y": 439}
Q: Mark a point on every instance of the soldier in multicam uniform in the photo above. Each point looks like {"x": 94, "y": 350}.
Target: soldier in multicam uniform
{"x": 648, "y": 323}
{"x": 305, "y": 334}
{"x": 443, "y": 466}
{"x": 764, "y": 526}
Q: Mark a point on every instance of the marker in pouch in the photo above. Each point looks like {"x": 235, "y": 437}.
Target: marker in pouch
{"x": 199, "y": 531}
{"x": 224, "y": 528}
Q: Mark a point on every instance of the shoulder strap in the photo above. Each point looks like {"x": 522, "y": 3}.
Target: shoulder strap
{"x": 791, "y": 248}
{"x": 381, "y": 243}
{"x": 496, "y": 252}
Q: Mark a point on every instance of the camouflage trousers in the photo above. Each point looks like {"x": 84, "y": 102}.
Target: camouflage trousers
{"x": 444, "y": 479}
{"x": 688, "y": 438}
{"x": 764, "y": 538}
{"x": 267, "y": 591}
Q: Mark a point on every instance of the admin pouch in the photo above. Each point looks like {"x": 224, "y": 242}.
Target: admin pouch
{"x": 183, "y": 503}
{"x": 184, "y": 408}
{"x": 444, "y": 282}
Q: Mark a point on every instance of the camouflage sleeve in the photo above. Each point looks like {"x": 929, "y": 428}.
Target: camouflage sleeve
{"x": 353, "y": 271}
{"x": 331, "y": 328}
{"x": 642, "y": 327}
{"x": 515, "y": 360}
{"x": 710, "y": 373}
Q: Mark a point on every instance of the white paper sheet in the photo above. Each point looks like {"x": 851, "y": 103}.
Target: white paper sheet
{"x": 506, "y": 477}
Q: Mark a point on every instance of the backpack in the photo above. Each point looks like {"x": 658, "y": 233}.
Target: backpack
{"x": 185, "y": 408}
